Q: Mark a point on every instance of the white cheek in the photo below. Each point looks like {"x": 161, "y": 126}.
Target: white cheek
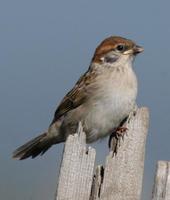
{"x": 102, "y": 59}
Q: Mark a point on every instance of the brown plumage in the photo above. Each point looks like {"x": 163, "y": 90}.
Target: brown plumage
{"x": 101, "y": 98}
{"x": 109, "y": 44}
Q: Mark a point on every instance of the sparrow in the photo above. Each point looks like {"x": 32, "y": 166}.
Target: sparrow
{"x": 101, "y": 99}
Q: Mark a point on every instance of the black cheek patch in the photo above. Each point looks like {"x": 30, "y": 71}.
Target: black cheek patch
{"x": 111, "y": 59}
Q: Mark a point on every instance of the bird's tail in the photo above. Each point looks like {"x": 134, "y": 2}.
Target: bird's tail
{"x": 34, "y": 147}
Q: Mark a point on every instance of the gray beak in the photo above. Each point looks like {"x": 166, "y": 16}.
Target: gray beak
{"x": 137, "y": 49}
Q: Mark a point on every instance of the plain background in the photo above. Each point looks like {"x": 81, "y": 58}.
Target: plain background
{"x": 44, "y": 47}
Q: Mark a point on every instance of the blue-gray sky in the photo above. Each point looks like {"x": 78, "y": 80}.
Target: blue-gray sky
{"x": 44, "y": 47}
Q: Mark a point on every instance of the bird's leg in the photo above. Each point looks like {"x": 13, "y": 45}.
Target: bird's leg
{"x": 114, "y": 142}
{"x": 116, "y": 135}
{"x": 119, "y": 132}
{"x": 115, "y": 138}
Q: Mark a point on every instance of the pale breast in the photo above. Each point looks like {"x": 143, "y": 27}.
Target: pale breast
{"x": 108, "y": 105}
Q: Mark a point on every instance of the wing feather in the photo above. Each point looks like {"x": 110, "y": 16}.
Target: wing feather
{"x": 75, "y": 97}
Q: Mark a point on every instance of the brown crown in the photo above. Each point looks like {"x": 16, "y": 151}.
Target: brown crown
{"x": 109, "y": 44}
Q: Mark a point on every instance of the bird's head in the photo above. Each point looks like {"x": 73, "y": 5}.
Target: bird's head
{"x": 116, "y": 49}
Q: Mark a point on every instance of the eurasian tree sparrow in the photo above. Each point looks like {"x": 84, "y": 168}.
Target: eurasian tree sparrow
{"x": 101, "y": 99}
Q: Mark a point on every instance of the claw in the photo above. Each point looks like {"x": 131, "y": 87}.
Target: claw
{"x": 115, "y": 138}
{"x": 121, "y": 131}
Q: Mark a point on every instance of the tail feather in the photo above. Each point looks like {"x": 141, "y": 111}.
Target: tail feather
{"x": 33, "y": 148}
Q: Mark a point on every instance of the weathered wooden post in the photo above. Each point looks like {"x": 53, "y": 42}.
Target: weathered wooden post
{"x": 161, "y": 189}
{"x": 76, "y": 172}
{"x": 120, "y": 179}
{"x": 123, "y": 173}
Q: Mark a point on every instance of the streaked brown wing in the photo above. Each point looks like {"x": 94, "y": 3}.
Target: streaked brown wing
{"x": 76, "y": 97}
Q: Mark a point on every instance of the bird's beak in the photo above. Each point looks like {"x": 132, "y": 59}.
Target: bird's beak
{"x": 134, "y": 51}
{"x": 137, "y": 49}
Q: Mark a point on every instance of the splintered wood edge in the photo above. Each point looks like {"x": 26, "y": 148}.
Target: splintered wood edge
{"x": 97, "y": 183}
{"x": 76, "y": 169}
{"x": 161, "y": 188}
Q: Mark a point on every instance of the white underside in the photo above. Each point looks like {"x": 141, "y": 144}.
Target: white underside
{"x": 106, "y": 107}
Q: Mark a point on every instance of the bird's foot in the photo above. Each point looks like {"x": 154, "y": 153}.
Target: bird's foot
{"x": 115, "y": 138}
{"x": 121, "y": 131}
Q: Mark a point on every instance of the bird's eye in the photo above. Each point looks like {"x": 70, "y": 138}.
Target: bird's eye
{"x": 120, "y": 47}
